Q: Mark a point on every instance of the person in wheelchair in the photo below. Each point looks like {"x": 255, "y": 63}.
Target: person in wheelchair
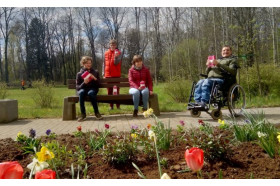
{"x": 217, "y": 71}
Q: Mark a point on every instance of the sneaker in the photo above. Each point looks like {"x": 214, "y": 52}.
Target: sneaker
{"x": 144, "y": 110}
{"x": 196, "y": 103}
{"x": 82, "y": 118}
{"x": 203, "y": 105}
{"x": 98, "y": 116}
{"x": 135, "y": 113}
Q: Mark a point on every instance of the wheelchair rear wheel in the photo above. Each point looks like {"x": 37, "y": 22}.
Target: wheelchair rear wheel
{"x": 195, "y": 113}
{"x": 236, "y": 100}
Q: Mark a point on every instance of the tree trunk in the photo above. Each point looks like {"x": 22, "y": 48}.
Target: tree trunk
{"x": 214, "y": 27}
{"x": 6, "y": 60}
{"x": 1, "y": 71}
{"x": 273, "y": 37}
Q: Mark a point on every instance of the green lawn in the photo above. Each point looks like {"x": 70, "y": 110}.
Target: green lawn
{"x": 28, "y": 108}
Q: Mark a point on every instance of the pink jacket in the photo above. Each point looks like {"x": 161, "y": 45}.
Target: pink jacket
{"x": 135, "y": 76}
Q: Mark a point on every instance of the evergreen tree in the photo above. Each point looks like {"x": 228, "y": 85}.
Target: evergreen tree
{"x": 37, "y": 60}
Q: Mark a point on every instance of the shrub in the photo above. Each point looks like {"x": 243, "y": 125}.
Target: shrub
{"x": 178, "y": 90}
{"x": 270, "y": 79}
{"x": 3, "y": 91}
{"x": 120, "y": 150}
{"x": 215, "y": 143}
{"x": 43, "y": 94}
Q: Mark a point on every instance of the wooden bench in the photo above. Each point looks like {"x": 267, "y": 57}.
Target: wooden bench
{"x": 69, "y": 108}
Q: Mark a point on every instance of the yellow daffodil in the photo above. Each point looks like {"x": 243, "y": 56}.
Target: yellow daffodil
{"x": 278, "y": 137}
{"x": 148, "y": 113}
{"x": 134, "y": 135}
{"x": 44, "y": 154}
{"x": 19, "y": 133}
{"x": 222, "y": 122}
{"x": 37, "y": 166}
{"x": 165, "y": 176}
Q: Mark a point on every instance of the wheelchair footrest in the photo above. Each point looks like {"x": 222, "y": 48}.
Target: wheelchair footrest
{"x": 197, "y": 107}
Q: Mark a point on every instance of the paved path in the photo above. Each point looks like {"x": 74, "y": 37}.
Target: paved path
{"x": 118, "y": 122}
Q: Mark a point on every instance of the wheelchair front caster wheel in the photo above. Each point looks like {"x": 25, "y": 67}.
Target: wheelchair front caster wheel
{"x": 216, "y": 114}
{"x": 195, "y": 113}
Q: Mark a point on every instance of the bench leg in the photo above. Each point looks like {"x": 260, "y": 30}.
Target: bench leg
{"x": 153, "y": 103}
{"x": 69, "y": 110}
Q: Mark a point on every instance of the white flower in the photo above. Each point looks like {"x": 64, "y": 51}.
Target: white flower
{"x": 37, "y": 166}
{"x": 148, "y": 113}
{"x": 152, "y": 135}
{"x": 260, "y": 134}
{"x": 165, "y": 176}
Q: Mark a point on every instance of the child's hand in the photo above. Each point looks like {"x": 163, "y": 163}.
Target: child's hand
{"x": 117, "y": 54}
{"x": 86, "y": 80}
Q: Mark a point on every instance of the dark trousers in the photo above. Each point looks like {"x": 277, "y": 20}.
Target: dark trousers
{"x": 92, "y": 95}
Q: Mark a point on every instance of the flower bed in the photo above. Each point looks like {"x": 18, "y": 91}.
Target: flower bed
{"x": 228, "y": 151}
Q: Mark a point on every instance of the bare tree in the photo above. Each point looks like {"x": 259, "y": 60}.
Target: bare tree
{"x": 8, "y": 14}
{"x": 90, "y": 28}
{"x": 113, "y": 17}
{"x": 61, "y": 33}
{"x": 72, "y": 52}
{"x": 156, "y": 41}
{"x": 272, "y": 18}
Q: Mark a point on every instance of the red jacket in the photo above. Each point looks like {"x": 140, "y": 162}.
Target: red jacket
{"x": 112, "y": 66}
{"x": 135, "y": 76}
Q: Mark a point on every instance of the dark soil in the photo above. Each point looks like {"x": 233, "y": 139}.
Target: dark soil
{"x": 247, "y": 161}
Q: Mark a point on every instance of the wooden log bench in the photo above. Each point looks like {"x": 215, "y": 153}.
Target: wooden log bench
{"x": 69, "y": 108}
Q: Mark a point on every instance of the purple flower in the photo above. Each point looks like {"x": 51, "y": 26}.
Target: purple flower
{"x": 182, "y": 122}
{"x": 48, "y": 132}
{"x": 247, "y": 121}
{"x": 134, "y": 127}
{"x": 96, "y": 130}
{"x": 32, "y": 133}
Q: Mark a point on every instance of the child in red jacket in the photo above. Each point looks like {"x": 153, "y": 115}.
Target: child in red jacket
{"x": 140, "y": 81}
{"x": 112, "y": 66}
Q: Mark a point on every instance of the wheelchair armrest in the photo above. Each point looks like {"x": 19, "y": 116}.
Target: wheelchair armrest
{"x": 203, "y": 75}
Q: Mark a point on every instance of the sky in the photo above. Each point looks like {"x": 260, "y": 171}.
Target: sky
{"x": 139, "y": 3}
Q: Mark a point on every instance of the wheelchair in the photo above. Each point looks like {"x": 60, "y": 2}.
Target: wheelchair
{"x": 228, "y": 94}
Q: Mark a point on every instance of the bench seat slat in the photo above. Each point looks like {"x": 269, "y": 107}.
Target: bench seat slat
{"x": 121, "y": 98}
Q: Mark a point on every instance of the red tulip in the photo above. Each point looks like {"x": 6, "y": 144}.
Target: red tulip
{"x": 45, "y": 174}
{"x": 107, "y": 126}
{"x": 200, "y": 122}
{"x": 79, "y": 128}
{"x": 194, "y": 158}
{"x": 11, "y": 170}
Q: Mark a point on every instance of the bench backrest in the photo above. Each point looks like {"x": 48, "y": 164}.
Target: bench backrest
{"x": 104, "y": 83}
